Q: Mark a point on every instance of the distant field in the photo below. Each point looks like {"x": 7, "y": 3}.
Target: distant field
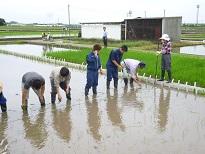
{"x": 33, "y": 30}
{"x": 193, "y": 32}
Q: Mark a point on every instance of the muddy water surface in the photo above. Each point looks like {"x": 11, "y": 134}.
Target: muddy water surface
{"x": 31, "y": 49}
{"x": 131, "y": 120}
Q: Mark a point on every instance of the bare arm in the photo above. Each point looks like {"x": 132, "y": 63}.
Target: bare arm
{"x": 115, "y": 62}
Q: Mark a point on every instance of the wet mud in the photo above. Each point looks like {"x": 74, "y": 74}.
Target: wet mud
{"x": 130, "y": 120}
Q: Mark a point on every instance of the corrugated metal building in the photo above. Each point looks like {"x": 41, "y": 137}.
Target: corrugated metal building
{"x": 135, "y": 29}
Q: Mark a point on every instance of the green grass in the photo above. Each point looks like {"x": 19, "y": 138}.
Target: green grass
{"x": 187, "y": 68}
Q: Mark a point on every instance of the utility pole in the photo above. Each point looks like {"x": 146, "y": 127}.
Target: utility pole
{"x": 197, "y": 14}
{"x": 145, "y": 14}
{"x": 69, "y": 20}
{"x": 164, "y": 13}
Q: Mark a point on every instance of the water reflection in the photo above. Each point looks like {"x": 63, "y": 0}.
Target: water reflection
{"x": 35, "y": 130}
{"x": 62, "y": 121}
{"x": 195, "y": 50}
{"x": 94, "y": 121}
{"x": 130, "y": 98}
{"x": 164, "y": 102}
{"x": 113, "y": 111}
{"x": 3, "y": 128}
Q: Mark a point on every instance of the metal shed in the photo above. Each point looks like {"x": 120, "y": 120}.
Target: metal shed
{"x": 153, "y": 28}
{"x": 135, "y": 29}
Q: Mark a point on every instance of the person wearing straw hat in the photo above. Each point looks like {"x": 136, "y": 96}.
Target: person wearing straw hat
{"x": 166, "y": 57}
{"x": 2, "y": 99}
{"x": 130, "y": 68}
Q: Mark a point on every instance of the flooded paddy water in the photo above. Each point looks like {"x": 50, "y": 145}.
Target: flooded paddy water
{"x": 131, "y": 120}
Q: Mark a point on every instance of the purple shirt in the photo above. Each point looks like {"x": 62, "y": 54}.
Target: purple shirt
{"x": 166, "y": 47}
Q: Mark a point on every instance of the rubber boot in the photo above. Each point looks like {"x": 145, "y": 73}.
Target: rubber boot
{"x": 131, "y": 81}
{"x": 86, "y": 91}
{"x": 162, "y": 75}
{"x": 68, "y": 96}
{"x": 3, "y": 108}
{"x": 95, "y": 90}
{"x": 115, "y": 84}
{"x": 53, "y": 98}
{"x": 125, "y": 81}
{"x": 108, "y": 84}
{"x": 169, "y": 76}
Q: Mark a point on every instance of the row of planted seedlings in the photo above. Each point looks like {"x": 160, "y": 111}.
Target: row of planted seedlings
{"x": 82, "y": 66}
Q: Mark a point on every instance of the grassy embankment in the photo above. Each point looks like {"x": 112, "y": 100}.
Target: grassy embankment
{"x": 186, "y": 68}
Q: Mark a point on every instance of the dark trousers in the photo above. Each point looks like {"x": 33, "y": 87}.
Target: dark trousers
{"x": 105, "y": 41}
{"x": 92, "y": 81}
{"x": 112, "y": 72}
{"x": 63, "y": 86}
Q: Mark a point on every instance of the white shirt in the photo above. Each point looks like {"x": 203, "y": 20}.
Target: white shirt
{"x": 105, "y": 34}
{"x": 131, "y": 66}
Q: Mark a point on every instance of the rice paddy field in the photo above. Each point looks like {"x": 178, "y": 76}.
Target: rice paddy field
{"x": 187, "y": 68}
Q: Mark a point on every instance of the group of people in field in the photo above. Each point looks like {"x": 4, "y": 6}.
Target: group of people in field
{"x": 60, "y": 76}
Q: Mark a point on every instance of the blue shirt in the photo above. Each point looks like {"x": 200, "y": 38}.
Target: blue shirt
{"x": 114, "y": 55}
{"x": 93, "y": 62}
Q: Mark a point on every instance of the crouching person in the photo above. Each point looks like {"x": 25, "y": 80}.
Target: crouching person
{"x": 130, "y": 68}
{"x": 60, "y": 77}
{"x": 37, "y": 83}
{"x": 93, "y": 67}
{"x": 2, "y": 99}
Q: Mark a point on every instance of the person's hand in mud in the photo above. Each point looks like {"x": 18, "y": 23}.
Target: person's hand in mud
{"x": 102, "y": 72}
{"x": 59, "y": 97}
{"x": 68, "y": 90}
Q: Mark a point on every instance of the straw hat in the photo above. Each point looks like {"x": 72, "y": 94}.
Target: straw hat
{"x": 165, "y": 37}
{"x": 1, "y": 86}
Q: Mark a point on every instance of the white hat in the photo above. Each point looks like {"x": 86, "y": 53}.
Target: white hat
{"x": 1, "y": 86}
{"x": 165, "y": 37}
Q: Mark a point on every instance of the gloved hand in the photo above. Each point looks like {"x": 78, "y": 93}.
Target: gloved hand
{"x": 158, "y": 53}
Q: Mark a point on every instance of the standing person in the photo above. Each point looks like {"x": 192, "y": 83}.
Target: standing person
{"x": 130, "y": 67}
{"x": 37, "y": 83}
{"x": 105, "y": 37}
{"x": 60, "y": 77}
{"x": 113, "y": 64}
{"x": 2, "y": 99}
{"x": 93, "y": 66}
{"x": 166, "y": 57}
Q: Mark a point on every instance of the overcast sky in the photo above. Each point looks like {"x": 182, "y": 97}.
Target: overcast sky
{"x": 52, "y": 11}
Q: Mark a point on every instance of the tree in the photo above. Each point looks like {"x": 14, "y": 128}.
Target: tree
{"x": 2, "y": 22}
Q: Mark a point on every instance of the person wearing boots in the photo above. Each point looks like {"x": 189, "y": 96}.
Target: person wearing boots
{"x": 2, "y": 99}
{"x": 60, "y": 77}
{"x": 130, "y": 68}
{"x": 166, "y": 57}
{"x": 93, "y": 67}
{"x": 113, "y": 64}
{"x": 37, "y": 83}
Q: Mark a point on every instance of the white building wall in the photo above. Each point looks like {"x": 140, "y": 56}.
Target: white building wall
{"x": 96, "y": 31}
{"x": 172, "y": 27}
